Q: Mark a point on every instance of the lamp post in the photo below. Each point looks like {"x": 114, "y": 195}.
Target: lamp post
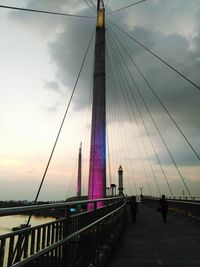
{"x": 141, "y": 188}
{"x": 141, "y": 196}
{"x": 120, "y": 183}
{"x": 113, "y": 189}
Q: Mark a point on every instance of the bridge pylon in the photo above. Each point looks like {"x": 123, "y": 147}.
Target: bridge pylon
{"x": 79, "y": 171}
{"x": 97, "y": 169}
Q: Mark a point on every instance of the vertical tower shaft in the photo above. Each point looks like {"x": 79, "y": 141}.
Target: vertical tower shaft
{"x": 97, "y": 170}
{"x": 79, "y": 171}
{"x": 120, "y": 183}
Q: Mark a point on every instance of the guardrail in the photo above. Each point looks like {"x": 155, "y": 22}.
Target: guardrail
{"x": 75, "y": 240}
{"x": 188, "y": 208}
{"x": 178, "y": 198}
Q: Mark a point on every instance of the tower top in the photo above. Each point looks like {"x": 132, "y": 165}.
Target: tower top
{"x": 100, "y": 14}
{"x": 120, "y": 168}
{"x": 100, "y": 4}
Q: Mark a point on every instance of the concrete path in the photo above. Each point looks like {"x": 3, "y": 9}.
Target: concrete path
{"x": 151, "y": 243}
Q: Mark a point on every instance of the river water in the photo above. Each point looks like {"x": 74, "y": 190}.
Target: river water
{"x": 8, "y": 222}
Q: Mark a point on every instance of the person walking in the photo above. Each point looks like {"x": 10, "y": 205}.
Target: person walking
{"x": 163, "y": 206}
{"x": 133, "y": 208}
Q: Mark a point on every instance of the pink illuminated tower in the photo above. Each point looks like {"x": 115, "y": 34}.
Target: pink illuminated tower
{"x": 79, "y": 171}
{"x": 97, "y": 171}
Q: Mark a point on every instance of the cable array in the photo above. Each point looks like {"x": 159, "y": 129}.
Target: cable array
{"x": 124, "y": 84}
{"x": 117, "y": 79}
{"x": 91, "y": 5}
{"x": 158, "y": 130}
{"x": 112, "y": 113}
{"x": 156, "y": 56}
{"x": 160, "y": 101}
{"x": 106, "y": 3}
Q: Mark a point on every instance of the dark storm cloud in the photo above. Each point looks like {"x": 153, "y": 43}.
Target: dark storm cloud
{"x": 158, "y": 25}
{"x": 181, "y": 159}
{"x": 180, "y": 98}
{"x": 68, "y": 45}
{"x": 52, "y": 85}
{"x": 45, "y": 23}
{"x": 67, "y": 53}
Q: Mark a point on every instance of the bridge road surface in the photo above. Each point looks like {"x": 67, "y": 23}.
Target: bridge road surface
{"x": 151, "y": 243}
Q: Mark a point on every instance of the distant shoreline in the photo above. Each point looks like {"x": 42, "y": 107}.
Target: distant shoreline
{"x": 44, "y": 213}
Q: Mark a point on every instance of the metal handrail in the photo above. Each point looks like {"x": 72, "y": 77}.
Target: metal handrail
{"x": 23, "y": 231}
{"x": 17, "y": 210}
{"x": 58, "y": 243}
{"x": 184, "y": 202}
{"x": 181, "y": 198}
{"x": 175, "y": 201}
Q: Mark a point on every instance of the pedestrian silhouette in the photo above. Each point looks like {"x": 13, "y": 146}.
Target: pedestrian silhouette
{"x": 163, "y": 207}
{"x": 133, "y": 208}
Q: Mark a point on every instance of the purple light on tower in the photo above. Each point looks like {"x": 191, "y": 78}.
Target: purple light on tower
{"x": 97, "y": 172}
{"x": 79, "y": 171}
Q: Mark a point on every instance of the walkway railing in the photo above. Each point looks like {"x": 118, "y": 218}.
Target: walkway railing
{"x": 188, "y": 208}
{"x": 178, "y": 198}
{"x": 74, "y": 240}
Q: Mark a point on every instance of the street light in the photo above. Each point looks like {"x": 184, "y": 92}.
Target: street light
{"x": 113, "y": 189}
{"x": 141, "y": 188}
{"x": 141, "y": 196}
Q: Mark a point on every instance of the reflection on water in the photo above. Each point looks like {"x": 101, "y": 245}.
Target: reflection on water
{"x": 8, "y": 222}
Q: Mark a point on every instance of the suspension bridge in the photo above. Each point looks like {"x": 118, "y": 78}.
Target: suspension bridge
{"x": 124, "y": 119}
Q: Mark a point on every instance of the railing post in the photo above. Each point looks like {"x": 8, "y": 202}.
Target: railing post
{"x": 11, "y": 249}
{"x": 19, "y": 248}
{"x": 107, "y": 203}
{"x": 66, "y": 247}
{"x": 2, "y": 251}
{"x": 30, "y": 241}
{"x": 95, "y": 206}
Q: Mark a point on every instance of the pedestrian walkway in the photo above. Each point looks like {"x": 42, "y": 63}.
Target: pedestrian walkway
{"x": 151, "y": 243}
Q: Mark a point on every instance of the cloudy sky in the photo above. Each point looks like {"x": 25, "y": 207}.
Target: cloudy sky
{"x": 40, "y": 57}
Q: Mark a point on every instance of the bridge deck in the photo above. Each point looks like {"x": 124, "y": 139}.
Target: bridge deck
{"x": 150, "y": 242}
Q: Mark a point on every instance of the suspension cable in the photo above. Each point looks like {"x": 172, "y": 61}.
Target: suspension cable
{"x": 106, "y": 3}
{"x": 137, "y": 143}
{"x": 88, "y": 121}
{"x": 119, "y": 64}
{"x": 159, "y": 100}
{"x": 116, "y": 55}
{"x": 113, "y": 111}
{"x": 122, "y": 8}
{"x": 61, "y": 126}
{"x": 57, "y": 137}
{"x": 89, "y": 5}
{"x": 170, "y": 154}
{"x": 45, "y": 12}
{"x": 108, "y": 157}
{"x": 137, "y": 106}
{"x": 92, "y": 3}
{"x": 156, "y": 56}
{"x": 117, "y": 111}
